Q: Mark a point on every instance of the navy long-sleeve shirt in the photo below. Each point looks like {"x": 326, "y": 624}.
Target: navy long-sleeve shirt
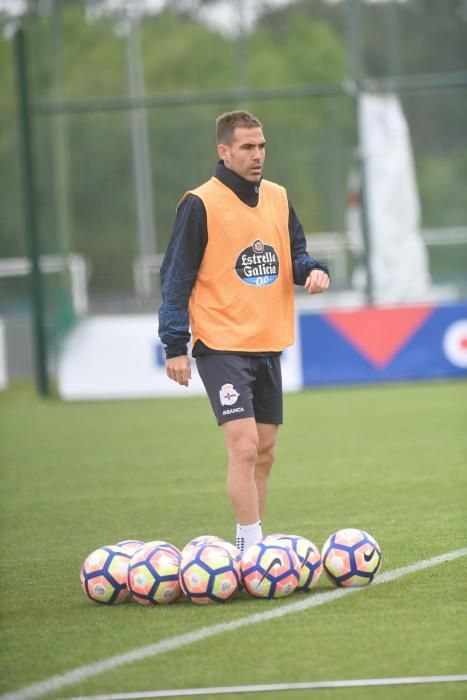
{"x": 185, "y": 252}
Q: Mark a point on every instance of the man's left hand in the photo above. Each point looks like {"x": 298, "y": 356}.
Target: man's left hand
{"x": 317, "y": 282}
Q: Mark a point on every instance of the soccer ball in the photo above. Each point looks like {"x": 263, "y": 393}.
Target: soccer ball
{"x": 193, "y": 544}
{"x": 209, "y": 574}
{"x": 351, "y": 557}
{"x": 130, "y": 546}
{"x": 309, "y": 557}
{"x": 165, "y": 545}
{"x": 153, "y": 575}
{"x": 270, "y": 569}
{"x": 104, "y": 575}
{"x": 234, "y": 552}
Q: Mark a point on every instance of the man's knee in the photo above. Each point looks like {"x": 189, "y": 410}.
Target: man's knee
{"x": 242, "y": 442}
{"x": 266, "y": 455}
{"x": 245, "y": 451}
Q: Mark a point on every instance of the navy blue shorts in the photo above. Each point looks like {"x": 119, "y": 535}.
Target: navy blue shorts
{"x": 243, "y": 386}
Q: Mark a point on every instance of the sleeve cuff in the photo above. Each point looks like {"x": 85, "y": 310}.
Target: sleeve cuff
{"x": 176, "y": 351}
{"x": 318, "y": 265}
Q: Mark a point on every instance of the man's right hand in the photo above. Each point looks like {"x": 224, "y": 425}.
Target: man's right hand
{"x": 179, "y": 369}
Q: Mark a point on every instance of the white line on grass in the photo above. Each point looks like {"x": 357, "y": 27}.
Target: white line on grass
{"x": 270, "y": 687}
{"x": 82, "y": 673}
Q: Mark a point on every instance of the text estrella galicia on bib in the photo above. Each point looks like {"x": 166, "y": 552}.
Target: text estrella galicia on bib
{"x": 258, "y": 264}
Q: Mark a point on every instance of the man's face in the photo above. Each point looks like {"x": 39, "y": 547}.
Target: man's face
{"x": 246, "y": 154}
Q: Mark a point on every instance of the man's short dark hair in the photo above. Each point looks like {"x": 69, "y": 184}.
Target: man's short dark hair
{"x": 227, "y": 122}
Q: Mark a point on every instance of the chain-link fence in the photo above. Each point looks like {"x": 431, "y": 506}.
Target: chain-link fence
{"x": 123, "y": 99}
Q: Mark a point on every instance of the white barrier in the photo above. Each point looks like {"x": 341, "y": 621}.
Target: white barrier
{"x": 120, "y": 357}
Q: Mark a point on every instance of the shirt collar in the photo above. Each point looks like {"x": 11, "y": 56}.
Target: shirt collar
{"x": 247, "y": 191}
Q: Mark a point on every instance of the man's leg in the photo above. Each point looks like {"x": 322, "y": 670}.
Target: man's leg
{"x": 267, "y": 403}
{"x": 241, "y": 438}
{"x": 233, "y": 383}
{"x": 267, "y": 436}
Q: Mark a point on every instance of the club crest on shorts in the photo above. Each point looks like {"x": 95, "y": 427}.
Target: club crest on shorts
{"x": 228, "y": 395}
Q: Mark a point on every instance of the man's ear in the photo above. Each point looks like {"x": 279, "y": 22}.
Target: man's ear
{"x": 222, "y": 150}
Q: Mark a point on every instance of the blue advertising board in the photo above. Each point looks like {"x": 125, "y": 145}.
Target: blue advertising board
{"x": 374, "y": 344}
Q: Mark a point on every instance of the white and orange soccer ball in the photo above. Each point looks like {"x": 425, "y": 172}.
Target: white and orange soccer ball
{"x": 198, "y": 541}
{"x": 309, "y": 557}
{"x": 209, "y": 574}
{"x": 231, "y": 548}
{"x": 153, "y": 574}
{"x": 351, "y": 557}
{"x": 270, "y": 569}
{"x": 165, "y": 545}
{"x": 130, "y": 546}
{"x": 104, "y": 574}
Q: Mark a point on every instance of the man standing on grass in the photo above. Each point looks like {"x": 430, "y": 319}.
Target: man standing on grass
{"x": 236, "y": 250}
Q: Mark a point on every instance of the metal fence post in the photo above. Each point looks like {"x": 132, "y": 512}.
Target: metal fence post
{"x": 30, "y": 214}
{"x": 355, "y": 51}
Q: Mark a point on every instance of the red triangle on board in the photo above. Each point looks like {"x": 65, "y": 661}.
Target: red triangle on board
{"x": 379, "y": 333}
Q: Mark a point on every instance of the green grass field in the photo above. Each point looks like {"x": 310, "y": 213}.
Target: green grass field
{"x": 390, "y": 459}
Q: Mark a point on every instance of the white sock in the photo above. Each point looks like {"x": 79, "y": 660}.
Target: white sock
{"x": 248, "y": 535}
